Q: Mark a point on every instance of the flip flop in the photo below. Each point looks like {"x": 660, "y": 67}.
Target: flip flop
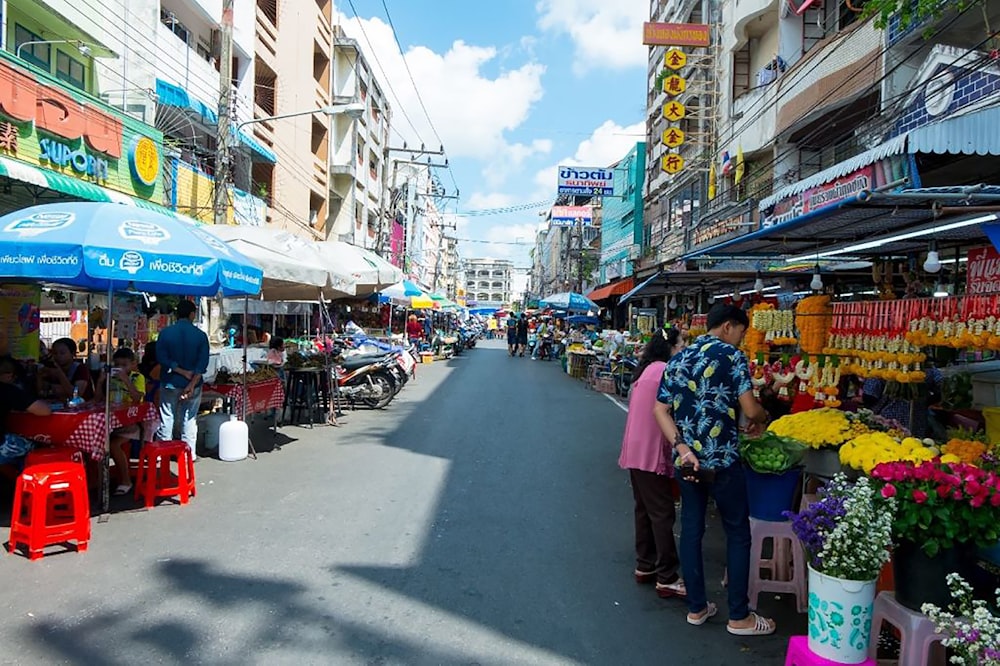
{"x": 761, "y": 627}
{"x": 709, "y": 612}
{"x": 123, "y": 489}
{"x": 675, "y": 589}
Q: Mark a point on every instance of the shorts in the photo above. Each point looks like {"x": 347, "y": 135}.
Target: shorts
{"x": 14, "y": 448}
{"x": 522, "y": 339}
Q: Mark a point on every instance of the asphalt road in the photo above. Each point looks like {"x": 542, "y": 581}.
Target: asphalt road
{"x": 480, "y": 519}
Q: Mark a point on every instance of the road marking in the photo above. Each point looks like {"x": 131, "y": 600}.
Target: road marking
{"x": 618, "y": 402}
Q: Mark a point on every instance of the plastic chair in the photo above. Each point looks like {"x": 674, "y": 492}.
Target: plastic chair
{"x": 787, "y": 564}
{"x": 155, "y": 478}
{"x": 799, "y": 654}
{"x": 916, "y": 631}
{"x": 50, "y": 507}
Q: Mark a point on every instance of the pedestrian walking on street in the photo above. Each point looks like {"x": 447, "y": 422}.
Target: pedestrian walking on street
{"x": 522, "y": 334}
{"x": 182, "y": 351}
{"x": 512, "y": 334}
{"x": 703, "y": 391}
{"x": 649, "y": 460}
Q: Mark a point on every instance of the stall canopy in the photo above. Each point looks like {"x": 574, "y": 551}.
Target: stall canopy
{"x": 369, "y": 271}
{"x": 294, "y": 269}
{"x": 614, "y": 289}
{"x": 571, "y": 301}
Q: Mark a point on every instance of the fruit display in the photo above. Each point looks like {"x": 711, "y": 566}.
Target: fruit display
{"x": 296, "y": 360}
{"x": 772, "y": 454}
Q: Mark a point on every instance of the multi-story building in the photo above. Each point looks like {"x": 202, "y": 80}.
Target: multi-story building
{"x": 58, "y": 139}
{"x": 488, "y": 281}
{"x": 359, "y": 185}
{"x": 621, "y": 217}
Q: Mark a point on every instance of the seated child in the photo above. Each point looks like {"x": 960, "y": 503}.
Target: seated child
{"x": 130, "y": 385}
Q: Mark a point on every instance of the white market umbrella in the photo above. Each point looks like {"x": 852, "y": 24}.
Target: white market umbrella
{"x": 370, "y": 272}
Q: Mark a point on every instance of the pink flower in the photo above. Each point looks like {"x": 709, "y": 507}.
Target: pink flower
{"x": 977, "y": 501}
{"x": 919, "y": 496}
{"x": 943, "y": 491}
{"x": 888, "y": 490}
{"x": 995, "y": 499}
{"x": 973, "y": 487}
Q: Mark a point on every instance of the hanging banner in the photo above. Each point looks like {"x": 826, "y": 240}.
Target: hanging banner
{"x": 20, "y": 318}
{"x": 983, "y": 271}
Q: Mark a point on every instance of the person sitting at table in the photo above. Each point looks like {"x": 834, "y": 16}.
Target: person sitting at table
{"x": 276, "y": 351}
{"x": 13, "y": 448}
{"x": 127, "y": 382}
{"x": 58, "y": 377}
{"x": 150, "y": 369}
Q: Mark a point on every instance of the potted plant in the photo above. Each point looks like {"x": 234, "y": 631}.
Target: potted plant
{"x": 773, "y": 472}
{"x": 971, "y": 630}
{"x": 944, "y": 510}
{"x": 846, "y": 534}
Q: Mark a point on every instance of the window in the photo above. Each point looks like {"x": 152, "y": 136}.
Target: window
{"x": 70, "y": 70}
{"x": 168, "y": 19}
{"x": 37, "y": 54}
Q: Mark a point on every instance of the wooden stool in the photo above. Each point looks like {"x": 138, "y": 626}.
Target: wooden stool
{"x": 799, "y": 654}
{"x": 916, "y": 630}
{"x": 35, "y": 521}
{"x": 155, "y": 479}
{"x": 787, "y": 563}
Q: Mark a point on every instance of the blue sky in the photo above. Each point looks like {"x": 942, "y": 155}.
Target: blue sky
{"x": 514, "y": 89}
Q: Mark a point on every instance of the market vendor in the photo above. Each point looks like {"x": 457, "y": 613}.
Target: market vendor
{"x": 64, "y": 374}
{"x": 13, "y": 448}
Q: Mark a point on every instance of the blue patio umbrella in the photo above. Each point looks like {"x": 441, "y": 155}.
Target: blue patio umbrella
{"x": 111, "y": 247}
{"x": 570, "y": 300}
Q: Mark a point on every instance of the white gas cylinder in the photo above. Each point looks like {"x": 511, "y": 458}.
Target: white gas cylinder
{"x": 234, "y": 440}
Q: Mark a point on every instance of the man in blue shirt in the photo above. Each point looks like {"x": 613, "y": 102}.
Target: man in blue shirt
{"x": 182, "y": 351}
{"x": 704, "y": 389}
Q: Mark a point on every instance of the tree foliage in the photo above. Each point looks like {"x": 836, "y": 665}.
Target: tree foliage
{"x": 912, "y": 11}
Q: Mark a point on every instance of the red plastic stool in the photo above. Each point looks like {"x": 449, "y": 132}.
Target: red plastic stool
{"x": 34, "y": 524}
{"x": 799, "y": 654}
{"x": 155, "y": 478}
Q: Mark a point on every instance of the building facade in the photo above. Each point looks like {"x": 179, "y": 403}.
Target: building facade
{"x": 359, "y": 152}
{"x": 621, "y": 218}
{"x": 488, "y": 282}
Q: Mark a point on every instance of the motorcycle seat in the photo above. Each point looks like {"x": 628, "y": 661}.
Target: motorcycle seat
{"x": 360, "y": 361}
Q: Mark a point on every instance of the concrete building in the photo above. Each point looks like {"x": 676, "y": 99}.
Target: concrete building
{"x": 621, "y": 218}
{"x": 359, "y": 185}
{"x": 488, "y": 282}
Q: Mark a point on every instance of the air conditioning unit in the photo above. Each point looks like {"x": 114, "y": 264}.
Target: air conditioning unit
{"x": 634, "y": 251}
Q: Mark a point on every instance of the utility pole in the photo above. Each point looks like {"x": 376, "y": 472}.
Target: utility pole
{"x": 222, "y": 159}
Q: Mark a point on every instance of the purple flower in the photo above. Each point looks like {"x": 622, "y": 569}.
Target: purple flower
{"x": 813, "y": 524}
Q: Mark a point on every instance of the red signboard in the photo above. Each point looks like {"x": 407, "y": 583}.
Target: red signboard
{"x": 983, "y": 271}
{"x": 676, "y": 34}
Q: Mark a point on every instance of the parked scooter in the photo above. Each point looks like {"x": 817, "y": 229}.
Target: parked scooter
{"x": 545, "y": 350}
{"x": 622, "y": 369}
{"x": 366, "y": 381}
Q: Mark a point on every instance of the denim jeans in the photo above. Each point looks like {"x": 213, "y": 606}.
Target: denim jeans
{"x": 175, "y": 413}
{"x": 730, "y": 493}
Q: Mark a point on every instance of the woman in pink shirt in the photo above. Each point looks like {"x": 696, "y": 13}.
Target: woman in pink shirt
{"x": 649, "y": 461}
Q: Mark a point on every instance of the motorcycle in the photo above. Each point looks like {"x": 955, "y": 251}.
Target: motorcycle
{"x": 623, "y": 368}
{"x": 545, "y": 350}
{"x": 367, "y": 380}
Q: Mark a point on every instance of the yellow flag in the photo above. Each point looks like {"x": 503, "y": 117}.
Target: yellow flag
{"x": 711, "y": 180}
{"x": 739, "y": 164}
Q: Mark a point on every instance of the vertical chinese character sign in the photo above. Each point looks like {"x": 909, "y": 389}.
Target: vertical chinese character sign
{"x": 674, "y": 85}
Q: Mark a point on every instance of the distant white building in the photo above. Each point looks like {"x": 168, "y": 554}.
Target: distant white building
{"x": 488, "y": 282}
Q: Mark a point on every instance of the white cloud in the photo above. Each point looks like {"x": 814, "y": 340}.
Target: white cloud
{"x": 606, "y": 145}
{"x": 470, "y": 111}
{"x": 605, "y": 35}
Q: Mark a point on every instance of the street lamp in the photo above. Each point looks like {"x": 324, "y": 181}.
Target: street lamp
{"x": 352, "y": 110}
{"x": 82, "y": 47}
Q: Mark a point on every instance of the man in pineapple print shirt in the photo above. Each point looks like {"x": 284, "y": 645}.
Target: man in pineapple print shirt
{"x": 704, "y": 389}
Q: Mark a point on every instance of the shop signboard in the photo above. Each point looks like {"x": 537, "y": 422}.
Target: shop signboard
{"x": 983, "y": 271}
{"x": 20, "y": 318}
{"x": 708, "y": 233}
{"x": 53, "y": 127}
{"x": 676, "y": 34}
{"x": 586, "y": 181}
{"x": 835, "y": 192}
{"x": 566, "y": 216}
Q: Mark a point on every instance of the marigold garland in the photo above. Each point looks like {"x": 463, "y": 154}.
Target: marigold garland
{"x": 813, "y": 318}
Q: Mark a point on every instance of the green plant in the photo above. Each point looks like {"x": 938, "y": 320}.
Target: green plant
{"x": 911, "y": 12}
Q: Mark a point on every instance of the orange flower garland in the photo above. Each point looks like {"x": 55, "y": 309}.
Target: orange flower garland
{"x": 813, "y": 317}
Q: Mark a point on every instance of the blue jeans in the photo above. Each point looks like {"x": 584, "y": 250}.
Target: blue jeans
{"x": 173, "y": 409}
{"x": 730, "y": 493}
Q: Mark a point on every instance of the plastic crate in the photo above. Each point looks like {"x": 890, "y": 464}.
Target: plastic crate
{"x": 605, "y": 385}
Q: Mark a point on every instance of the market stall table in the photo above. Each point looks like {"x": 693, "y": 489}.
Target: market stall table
{"x": 260, "y": 396}
{"x": 83, "y": 429}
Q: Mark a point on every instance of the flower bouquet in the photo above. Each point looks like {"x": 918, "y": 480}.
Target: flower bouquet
{"x": 846, "y": 535}
{"x": 865, "y": 452}
{"x": 944, "y": 510}
{"x": 816, "y": 428}
{"x": 972, "y": 632}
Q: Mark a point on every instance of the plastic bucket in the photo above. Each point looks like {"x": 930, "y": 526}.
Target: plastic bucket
{"x": 992, "y": 417}
{"x": 823, "y": 462}
{"x": 840, "y": 617}
{"x": 770, "y": 495}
